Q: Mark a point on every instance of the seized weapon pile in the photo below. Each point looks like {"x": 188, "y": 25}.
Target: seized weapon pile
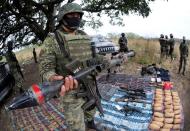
{"x": 136, "y": 96}
{"x": 40, "y": 93}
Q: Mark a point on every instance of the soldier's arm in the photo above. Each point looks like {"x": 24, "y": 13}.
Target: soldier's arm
{"x": 47, "y": 59}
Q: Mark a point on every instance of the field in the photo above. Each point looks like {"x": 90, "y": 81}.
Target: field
{"x": 147, "y": 52}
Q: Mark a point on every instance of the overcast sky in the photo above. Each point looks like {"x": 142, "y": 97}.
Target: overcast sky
{"x": 166, "y": 17}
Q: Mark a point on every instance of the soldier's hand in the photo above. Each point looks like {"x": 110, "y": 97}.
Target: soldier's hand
{"x": 69, "y": 84}
{"x": 55, "y": 77}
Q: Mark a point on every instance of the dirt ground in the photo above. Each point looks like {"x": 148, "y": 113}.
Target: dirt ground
{"x": 181, "y": 83}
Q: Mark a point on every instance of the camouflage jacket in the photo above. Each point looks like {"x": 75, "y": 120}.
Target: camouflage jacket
{"x": 183, "y": 48}
{"x": 52, "y": 58}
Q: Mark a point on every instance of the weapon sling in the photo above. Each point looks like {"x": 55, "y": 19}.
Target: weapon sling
{"x": 61, "y": 44}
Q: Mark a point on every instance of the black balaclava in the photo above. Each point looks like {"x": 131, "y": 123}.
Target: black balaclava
{"x": 71, "y": 23}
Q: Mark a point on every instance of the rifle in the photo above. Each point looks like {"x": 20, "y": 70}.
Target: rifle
{"x": 133, "y": 97}
{"x": 131, "y": 100}
{"x": 41, "y": 93}
{"x": 136, "y": 92}
{"x": 128, "y": 110}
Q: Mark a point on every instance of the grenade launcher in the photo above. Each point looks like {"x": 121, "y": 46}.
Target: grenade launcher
{"x": 40, "y": 93}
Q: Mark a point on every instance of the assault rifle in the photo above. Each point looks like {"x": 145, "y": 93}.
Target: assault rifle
{"x": 136, "y": 92}
{"x": 40, "y": 93}
{"x": 128, "y": 110}
{"x": 137, "y": 100}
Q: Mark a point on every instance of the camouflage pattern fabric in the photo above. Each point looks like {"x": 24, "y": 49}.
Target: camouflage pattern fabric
{"x": 13, "y": 63}
{"x": 69, "y": 8}
{"x": 184, "y": 52}
{"x": 52, "y": 61}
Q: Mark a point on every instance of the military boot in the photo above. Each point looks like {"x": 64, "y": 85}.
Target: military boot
{"x": 91, "y": 125}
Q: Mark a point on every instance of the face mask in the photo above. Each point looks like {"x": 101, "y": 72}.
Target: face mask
{"x": 71, "y": 23}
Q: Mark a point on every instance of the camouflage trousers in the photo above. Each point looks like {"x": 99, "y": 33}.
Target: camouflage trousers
{"x": 182, "y": 62}
{"x": 75, "y": 117}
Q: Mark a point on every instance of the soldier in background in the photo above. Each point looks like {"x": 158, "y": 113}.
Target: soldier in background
{"x": 67, "y": 44}
{"x": 184, "y": 52}
{"x": 167, "y": 46}
{"x": 14, "y": 69}
{"x": 171, "y": 42}
{"x": 123, "y": 43}
{"x": 34, "y": 55}
{"x": 162, "y": 47}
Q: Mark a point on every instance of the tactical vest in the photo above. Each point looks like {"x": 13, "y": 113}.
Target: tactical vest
{"x": 78, "y": 47}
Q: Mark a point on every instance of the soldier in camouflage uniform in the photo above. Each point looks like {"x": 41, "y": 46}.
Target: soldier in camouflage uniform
{"x": 162, "y": 47}
{"x": 123, "y": 43}
{"x": 171, "y": 42}
{"x": 167, "y": 46}
{"x": 184, "y": 52}
{"x": 53, "y": 58}
{"x": 14, "y": 69}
